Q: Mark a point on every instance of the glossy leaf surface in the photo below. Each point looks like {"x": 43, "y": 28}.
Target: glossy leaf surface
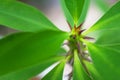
{"x": 110, "y": 39}
{"x": 75, "y": 10}
{"x": 105, "y": 51}
{"x": 93, "y": 72}
{"x": 106, "y": 30}
{"x": 22, "y": 17}
{"x": 84, "y": 12}
{"x": 26, "y": 51}
{"x": 105, "y": 61}
{"x": 111, "y": 20}
{"x": 57, "y": 72}
{"x": 30, "y": 72}
{"x": 78, "y": 71}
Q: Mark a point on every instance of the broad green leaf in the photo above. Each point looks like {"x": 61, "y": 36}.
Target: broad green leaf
{"x": 57, "y": 72}
{"x": 29, "y": 72}
{"x": 67, "y": 13}
{"x": 20, "y": 16}
{"x": 102, "y": 4}
{"x": 106, "y": 61}
{"x": 110, "y": 39}
{"x": 78, "y": 71}
{"x": 93, "y": 72}
{"x": 24, "y": 51}
{"x": 84, "y": 12}
{"x": 106, "y": 50}
{"x": 75, "y": 11}
{"x": 62, "y": 52}
{"x": 75, "y": 8}
{"x": 111, "y": 20}
{"x": 106, "y": 30}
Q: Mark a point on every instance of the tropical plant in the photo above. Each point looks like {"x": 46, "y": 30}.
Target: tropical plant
{"x": 94, "y": 54}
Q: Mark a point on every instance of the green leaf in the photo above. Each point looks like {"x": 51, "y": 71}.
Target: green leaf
{"x": 75, "y": 10}
{"x": 106, "y": 61}
{"x": 105, "y": 51}
{"x": 67, "y": 13}
{"x": 78, "y": 71}
{"x": 111, "y": 20}
{"x": 62, "y": 52}
{"x": 20, "y": 16}
{"x": 57, "y": 72}
{"x": 29, "y": 72}
{"x": 110, "y": 39}
{"x": 102, "y": 4}
{"x": 93, "y": 72}
{"x": 23, "y": 52}
{"x": 84, "y": 12}
{"x": 105, "y": 31}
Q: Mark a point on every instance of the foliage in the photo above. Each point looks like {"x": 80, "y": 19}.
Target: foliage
{"x": 25, "y": 54}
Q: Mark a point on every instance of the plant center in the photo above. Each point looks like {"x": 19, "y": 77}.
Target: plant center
{"x": 75, "y": 44}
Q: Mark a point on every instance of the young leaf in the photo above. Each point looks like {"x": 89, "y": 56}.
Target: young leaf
{"x": 57, "y": 72}
{"x": 111, "y": 20}
{"x": 23, "y": 17}
{"x": 67, "y": 13}
{"x": 84, "y": 12}
{"x": 106, "y": 61}
{"x": 78, "y": 70}
{"x": 22, "y": 51}
{"x": 73, "y": 10}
